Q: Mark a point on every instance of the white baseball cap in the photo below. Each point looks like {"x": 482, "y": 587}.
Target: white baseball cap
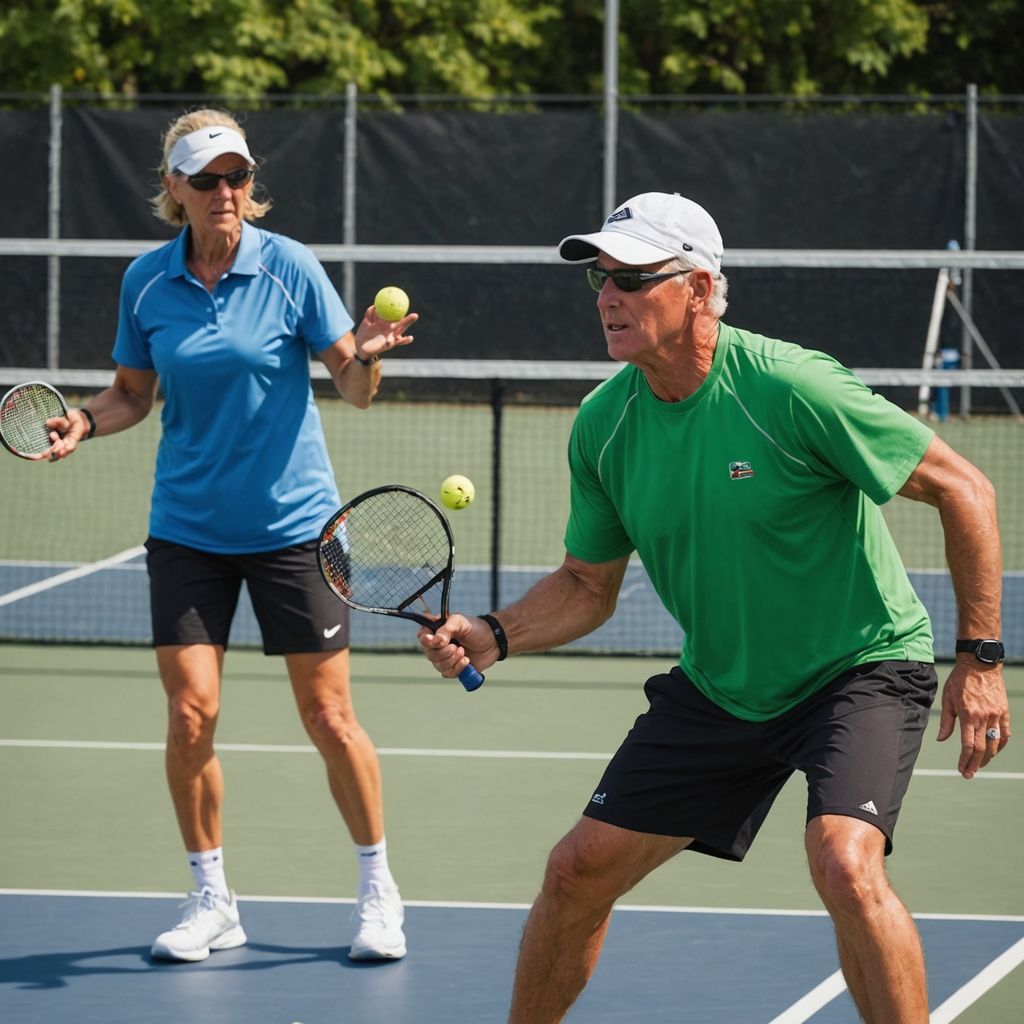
{"x": 192, "y": 152}
{"x": 649, "y": 228}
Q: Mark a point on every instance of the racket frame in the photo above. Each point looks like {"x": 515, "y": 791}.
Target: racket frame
{"x": 30, "y": 456}
{"x": 470, "y": 678}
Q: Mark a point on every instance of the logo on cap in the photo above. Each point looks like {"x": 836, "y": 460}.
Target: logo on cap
{"x": 624, "y": 214}
{"x": 214, "y": 135}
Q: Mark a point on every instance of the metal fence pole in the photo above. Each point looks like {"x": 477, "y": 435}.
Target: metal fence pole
{"x": 611, "y": 103}
{"x": 348, "y": 228}
{"x": 53, "y": 232}
{"x": 970, "y": 238}
{"x": 497, "y": 472}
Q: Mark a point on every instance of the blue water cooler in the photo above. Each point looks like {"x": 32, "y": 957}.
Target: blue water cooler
{"x": 948, "y": 359}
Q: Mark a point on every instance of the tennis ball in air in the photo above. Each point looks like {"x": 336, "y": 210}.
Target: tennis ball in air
{"x": 457, "y": 492}
{"x": 392, "y": 303}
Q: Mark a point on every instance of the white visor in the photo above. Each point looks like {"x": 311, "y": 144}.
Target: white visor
{"x": 192, "y": 152}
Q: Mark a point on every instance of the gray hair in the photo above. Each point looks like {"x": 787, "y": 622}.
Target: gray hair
{"x": 718, "y": 302}
{"x": 165, "y": 206}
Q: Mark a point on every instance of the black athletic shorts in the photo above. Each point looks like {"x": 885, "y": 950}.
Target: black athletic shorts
{"x": 193, "y": 596}
{"x": 688, "y": 768}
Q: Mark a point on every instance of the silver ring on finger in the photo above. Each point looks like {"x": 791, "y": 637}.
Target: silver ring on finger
{"x": 992, "y": 734}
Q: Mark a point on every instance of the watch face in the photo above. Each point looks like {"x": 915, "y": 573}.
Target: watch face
{"x": 989, "y": 651}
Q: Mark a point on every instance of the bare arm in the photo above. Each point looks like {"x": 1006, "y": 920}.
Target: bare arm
{"x": 570, "y": 602}
{"x": 126, "y": 402}
{"x": 974, "y": 693}
{"x": 354, "y": 381}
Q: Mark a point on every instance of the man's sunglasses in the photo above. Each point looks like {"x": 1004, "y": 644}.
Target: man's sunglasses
{"x": 626, "y": 280}
{"x": 207, "y": 182}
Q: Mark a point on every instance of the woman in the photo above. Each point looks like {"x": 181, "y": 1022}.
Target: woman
{"x": 224, "y": 319}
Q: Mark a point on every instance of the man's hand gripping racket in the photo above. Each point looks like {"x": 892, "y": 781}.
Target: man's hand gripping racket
{"x": 388, "y": 549}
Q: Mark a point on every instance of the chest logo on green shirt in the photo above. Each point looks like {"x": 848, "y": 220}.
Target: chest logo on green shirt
{"x": 740, "y": 470}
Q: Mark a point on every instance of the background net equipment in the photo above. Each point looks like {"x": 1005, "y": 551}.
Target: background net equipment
{"x": 506, "y": 426}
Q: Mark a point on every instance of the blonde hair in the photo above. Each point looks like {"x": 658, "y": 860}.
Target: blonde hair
{"x": 165, "y": 206}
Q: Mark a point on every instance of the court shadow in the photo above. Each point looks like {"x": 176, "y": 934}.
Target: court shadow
{"x": 337, "y": 955}
{"x": 56, "y": 970}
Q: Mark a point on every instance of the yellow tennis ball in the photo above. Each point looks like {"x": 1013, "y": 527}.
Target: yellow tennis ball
{"x": 457, "y": 492}
{"x": 392, "y": 303}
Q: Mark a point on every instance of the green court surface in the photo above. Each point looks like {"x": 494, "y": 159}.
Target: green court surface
{"x": 477, "y": 788}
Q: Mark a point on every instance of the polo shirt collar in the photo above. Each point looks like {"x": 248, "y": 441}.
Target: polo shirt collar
{"x": 247, "y": 259}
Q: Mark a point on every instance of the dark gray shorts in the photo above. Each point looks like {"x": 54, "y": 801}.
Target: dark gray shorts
{"x": 193, "y": 596}
{"x": 688, "y": 768}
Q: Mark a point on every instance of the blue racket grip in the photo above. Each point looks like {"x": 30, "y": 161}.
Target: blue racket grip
{"x": 471, "y": 679}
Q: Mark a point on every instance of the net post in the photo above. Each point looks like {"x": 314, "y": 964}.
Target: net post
{"x": 53, "y": 229}
{"x": 970, "y": 235}
{"x": 497, "y": 409}
{"x": 348, "y": 230}
{"x": 611, "y": 103}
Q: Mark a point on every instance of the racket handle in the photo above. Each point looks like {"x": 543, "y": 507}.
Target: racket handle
{"x": 471, "y": 679}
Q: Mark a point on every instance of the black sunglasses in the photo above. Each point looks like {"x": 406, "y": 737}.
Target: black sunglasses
{"x": 626, "y": 280}
{"x": 207, "y": 182}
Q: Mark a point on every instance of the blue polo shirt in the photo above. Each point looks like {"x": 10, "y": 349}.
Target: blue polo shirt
{"x": 242, "y": 464}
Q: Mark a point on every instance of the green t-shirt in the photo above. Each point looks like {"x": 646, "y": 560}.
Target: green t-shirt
{"x": 753, "y": 506}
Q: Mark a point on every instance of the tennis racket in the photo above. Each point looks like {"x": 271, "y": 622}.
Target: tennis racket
{"x": 388, "y": 549}
{"x": 24, "y": 411}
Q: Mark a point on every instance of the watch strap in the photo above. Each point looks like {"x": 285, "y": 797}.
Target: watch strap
{"x": 988, "y": 651}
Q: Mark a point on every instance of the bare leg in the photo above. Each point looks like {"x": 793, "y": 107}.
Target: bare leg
{"x": 588, "y": 870}
{"x": 320, "y": 683}
{"x": 879, "y": 947}
{"x": 191, "y": 679}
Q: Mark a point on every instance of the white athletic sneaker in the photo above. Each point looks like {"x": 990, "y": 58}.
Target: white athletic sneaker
{"x": 207, "y": 923}
{"x": 381, "y": 915}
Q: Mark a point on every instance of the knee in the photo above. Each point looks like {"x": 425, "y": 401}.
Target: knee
{"x": 190, "y": 726}
{"x": 848, "y": 872}
{"x": 332, "y": 723}
{"x": 572, "y": 875}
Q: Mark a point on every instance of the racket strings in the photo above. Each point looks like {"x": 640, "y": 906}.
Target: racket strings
{"x": 388, "y": 551}
{"x": 23, "y": 417}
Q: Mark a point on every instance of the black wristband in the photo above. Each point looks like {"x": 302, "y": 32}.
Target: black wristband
{"x": 367, "y": 362}
{"x": 92, "y": 422}
{"x": 499, "y": 635}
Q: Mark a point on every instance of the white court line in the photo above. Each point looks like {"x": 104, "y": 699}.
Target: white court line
{"x": 273, "y": 748}
{"x": 105, "y": 894}
{"x": 646, "y": 908}
{"x": 807, "y": 1006}
{"x": 70, "y": 575}
{"x": 985, "y": 979}
{"x": 535, "y": 755}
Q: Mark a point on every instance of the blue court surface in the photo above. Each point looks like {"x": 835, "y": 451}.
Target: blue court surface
{"x": 85, "y": 958}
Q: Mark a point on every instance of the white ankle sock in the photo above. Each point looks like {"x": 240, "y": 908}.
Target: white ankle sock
{"x": 373, "y": 866}
{"x": 208, "y": 870}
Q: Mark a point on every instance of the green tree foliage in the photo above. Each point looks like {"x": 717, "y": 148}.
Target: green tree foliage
{"x": 482, "y": 48}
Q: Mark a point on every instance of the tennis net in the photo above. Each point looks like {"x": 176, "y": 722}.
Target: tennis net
{"x": 72, "y": 569}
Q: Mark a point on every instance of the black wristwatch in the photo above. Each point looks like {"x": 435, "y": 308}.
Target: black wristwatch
{"x": 988, "y": 651}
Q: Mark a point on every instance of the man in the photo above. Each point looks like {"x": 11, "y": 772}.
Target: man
{"x": 747, "y": 473}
